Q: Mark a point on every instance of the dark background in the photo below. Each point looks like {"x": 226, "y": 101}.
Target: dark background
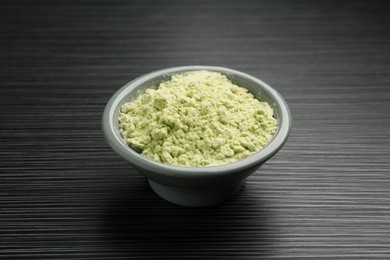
{"x": 65, "y": 194}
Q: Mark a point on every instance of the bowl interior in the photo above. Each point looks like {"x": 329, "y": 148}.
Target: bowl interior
{"x": 259, "y": 89}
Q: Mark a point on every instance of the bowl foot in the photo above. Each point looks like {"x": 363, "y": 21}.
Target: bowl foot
{"x": 195, "y": 197}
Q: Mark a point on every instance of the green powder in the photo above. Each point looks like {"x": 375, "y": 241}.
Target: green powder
{"x": 197, "y": 118}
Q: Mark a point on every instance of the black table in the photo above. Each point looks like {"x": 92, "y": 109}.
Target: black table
{"x": 64, "y": 193}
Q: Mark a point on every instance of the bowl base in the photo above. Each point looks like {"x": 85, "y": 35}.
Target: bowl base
{"x": 195, "y": 197}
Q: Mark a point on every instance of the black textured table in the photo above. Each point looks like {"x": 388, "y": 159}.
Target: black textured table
{"x": 65, "y": 194}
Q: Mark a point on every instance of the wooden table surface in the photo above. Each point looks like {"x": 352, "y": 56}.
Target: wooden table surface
{"x": 64, "y": 194}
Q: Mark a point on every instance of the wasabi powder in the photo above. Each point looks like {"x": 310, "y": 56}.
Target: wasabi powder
{"x": 197, "y": 118}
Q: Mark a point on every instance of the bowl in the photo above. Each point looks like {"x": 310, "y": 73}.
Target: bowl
{"x": 195, "y": 186}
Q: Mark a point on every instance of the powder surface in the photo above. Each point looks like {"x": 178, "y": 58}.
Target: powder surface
{"x": 197, "y": 118}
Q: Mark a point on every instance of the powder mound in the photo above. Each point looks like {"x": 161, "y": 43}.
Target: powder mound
{"x": 197, "y": 118}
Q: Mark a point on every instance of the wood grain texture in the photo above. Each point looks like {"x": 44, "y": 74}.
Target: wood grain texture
{"x": 64, "y": 194}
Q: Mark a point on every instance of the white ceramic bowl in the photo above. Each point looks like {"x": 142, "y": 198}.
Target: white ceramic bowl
{"x": 195, "y": 186}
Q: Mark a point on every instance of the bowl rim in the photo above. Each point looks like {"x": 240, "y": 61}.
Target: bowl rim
{"x": 141, "y": 161}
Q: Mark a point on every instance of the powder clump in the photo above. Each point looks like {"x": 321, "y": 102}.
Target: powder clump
{"x": 197, "y": 118}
